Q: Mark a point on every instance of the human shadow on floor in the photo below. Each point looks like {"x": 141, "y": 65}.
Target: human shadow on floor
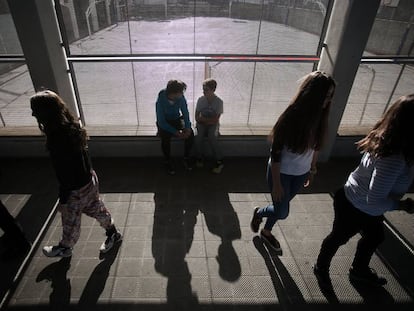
{"x": 175, "y": 217}
{"x": 285, "y": 287}
{"x": 172, "y": 237}
{"x": 97, "y": 280}
{"x": 222, "y": 220}
{"x": 59, "y": 298}
{"x": 375, "y": 295}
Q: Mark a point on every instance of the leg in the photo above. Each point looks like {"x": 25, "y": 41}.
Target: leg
{"x": 213, "y": 142}
{"x": 165, "y": 143}
{"x": 372, "y": 236}
{"x": 372, "y": 231}
{"x": 94, "y": 207}
{"x": 345, "y": 225}
{"x": 71, "y": 214}
{"x": 199, "y": 138}
{"x": 188, "y": 145}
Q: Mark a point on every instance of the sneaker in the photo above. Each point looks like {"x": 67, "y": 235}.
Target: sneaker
{"x": 218, "y": 168}
{"x": 170, "y": 167}
{"x": 271, "y": 241}
{"x": 367, "y": 275}
{"x": 199, "y": 163}
{"x": 322, "y": 275}
{"x": 188, "y": 165}
{"x": 57, "y": 251}
{"x": 110, "y": 242}
{"x": 256, "y": 220}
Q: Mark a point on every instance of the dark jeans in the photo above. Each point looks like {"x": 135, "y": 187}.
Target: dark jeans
{"x": 166, "y": 139}
{"x": 349, "y": 221}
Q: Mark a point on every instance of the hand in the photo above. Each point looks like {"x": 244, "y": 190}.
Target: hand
{"x": 180, "y": 134}
{"x": 309, "y": 180}
{"x": 187, "y": 133}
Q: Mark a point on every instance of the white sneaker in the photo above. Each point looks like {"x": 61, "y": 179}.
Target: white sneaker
{"x": 110, "y": 242}
{"x": 57, "y": 251}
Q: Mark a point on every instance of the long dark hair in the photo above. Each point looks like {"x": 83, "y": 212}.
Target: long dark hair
{"x": 393, "y": 133}
{"x": 57, "y": 122}
{"x": 304, "y": 123}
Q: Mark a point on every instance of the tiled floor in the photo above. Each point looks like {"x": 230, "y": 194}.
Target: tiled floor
{"x": 188, "y": 246}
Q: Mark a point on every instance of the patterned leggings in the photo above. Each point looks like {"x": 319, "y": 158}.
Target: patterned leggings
{"x": 84, "y": 200}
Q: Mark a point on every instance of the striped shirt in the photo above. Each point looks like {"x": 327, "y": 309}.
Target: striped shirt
{"x": 372, "y": 184}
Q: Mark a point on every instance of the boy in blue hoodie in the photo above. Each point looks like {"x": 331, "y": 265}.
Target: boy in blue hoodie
{"x": 173, "y": 120}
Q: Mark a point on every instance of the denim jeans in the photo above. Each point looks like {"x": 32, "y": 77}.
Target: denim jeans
{"x": 348, "y": 222}
{"x": 280, "y": 210}
{"x": 211, "y": 131}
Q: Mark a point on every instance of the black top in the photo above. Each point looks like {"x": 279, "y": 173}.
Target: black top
{"x": 72, "y": 166}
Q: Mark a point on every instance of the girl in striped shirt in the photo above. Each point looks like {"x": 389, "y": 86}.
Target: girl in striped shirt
{"x": 377, "y": 185}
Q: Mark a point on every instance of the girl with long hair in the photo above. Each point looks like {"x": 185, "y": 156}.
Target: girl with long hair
{"x": 377, "y": 185}
{"x": 66, "y": 142}
{"x": 296, "y": 139}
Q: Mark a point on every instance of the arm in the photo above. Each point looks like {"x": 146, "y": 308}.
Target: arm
{"x": 277, "y": 189}
{"x": 186, "y": 132}
{"x": 385, "y": 174}
{"x": 161, "y": 120}
{"x": 185, "y": 113}
{"x": 219, "y": 110}
{"x": 313, "y": 170}
{"x": 198, "y": 116}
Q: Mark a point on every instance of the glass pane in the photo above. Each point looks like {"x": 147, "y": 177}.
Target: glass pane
{"x": 371, "y": 91}
{"x": 106, "y": 93}
{"x": 187, "y": 27}
{"x": 15, "y": 90}
{"x": 393, "y": 30}
{"x": 274, "y": 87}
{"x": 152, "y": 77}
{"x": 123, "y": 95}
{"x": 9, "y": 42}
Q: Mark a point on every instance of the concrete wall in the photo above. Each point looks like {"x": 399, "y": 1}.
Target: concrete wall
{"x": 232, "y": 146}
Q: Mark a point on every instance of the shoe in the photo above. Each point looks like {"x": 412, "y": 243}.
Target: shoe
{"x": 170, "y": 167}
{"x": 367, "y": 275}
{"x": 271, "y": 241}
{"x": 322, "y": 275}
{"x": 110, "y": 242}
{"x": 57, "y": 251}
{"x": 218, "y": 168}
{"x": 256, "y": 220}
{"x": 199, "y": 163}
{"x": 188, "y": 165}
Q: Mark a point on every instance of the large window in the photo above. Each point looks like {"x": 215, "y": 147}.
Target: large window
{"x": 121, "y": 94}
{"x": 386, "y": 72}
{"x": 123, "y": 52}
{"x": 15, "y": 83}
